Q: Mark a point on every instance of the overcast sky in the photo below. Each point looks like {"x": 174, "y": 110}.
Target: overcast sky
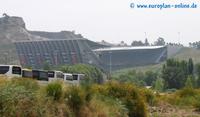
{"x": 110, "y": 20}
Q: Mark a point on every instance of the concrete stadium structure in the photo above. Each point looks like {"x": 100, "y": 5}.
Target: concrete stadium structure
{"x": 79, "y": 50}
{"x": 123, "y": 57}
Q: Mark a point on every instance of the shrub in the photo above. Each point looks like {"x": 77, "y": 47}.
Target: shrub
{"x": 187, "y": 92}
{"x": 184, "y": 97}
{"x": 50, "y": 108}
{"x": 103, "y": 106}
{"x": 29, "y": 84}
{"x": 197, "y": 104}
{"x": 3, "y": 80}
{"x": 54, "y": 90}
{"x": 16, "y": 101}
{"x": 149, "y": 96}
{"x": 75, "y": 98}
{"x": 92, "y": 74}
{"x": 128, "y": 94}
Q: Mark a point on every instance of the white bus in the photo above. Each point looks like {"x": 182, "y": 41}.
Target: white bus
{"x": 27, "y": 73}
{"x": 55, "y": 75}
{"x": 77, "y": 78}
{"x": 11, "y": 70}
{"x": 68, "y": 78}
{"x": 40, "y": 75}
{"x": 74, "y": 79}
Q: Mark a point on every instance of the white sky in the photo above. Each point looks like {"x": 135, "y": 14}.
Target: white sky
{"x": 110, "y": 20}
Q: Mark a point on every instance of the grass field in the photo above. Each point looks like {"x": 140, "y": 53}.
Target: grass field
{"x": 155, "y": 68}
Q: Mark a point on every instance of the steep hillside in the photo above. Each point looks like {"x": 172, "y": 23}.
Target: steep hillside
{"x": 173, "y": 50}
{"x": 13, "y": 29}
{"x": 56, "y": 35}
{"x": 186, "y": 53}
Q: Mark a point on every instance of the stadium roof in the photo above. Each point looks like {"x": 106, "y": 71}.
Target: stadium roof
{"x": 49, "y": 40}
{"x": 127, "y": 48}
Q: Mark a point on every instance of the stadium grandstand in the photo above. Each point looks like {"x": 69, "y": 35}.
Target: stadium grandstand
{"x": 57, "y": 52}
{"x": 79, "y": 50}
{"x": 124, "y": 57}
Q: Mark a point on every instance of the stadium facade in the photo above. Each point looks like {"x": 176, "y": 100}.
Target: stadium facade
{"x": 124, "y": 57}
{"x": 72, "y": 51}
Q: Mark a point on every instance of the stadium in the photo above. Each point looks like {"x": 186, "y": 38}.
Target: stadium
{"x": 79, "y": 50}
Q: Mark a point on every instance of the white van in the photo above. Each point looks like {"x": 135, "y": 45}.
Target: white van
{"x": 11, "y": 70}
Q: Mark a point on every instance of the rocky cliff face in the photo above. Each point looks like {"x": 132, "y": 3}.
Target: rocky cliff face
{"x": 13, "y": 29}
{"x": 57, "y": 35}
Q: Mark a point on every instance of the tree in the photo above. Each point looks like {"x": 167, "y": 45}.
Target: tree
{"x": 150, "y": 77}
{"x": 137, "y": 43}
{"x": 132, "y": 77}
{"x": 160, "y": 41}
{"x": 198, "y": 82}
{"x": 92, "y": 74}
{"x": 190, "y": 44}
{"x": 190, "y": 66}
{"x": 146, "y": 42}
{"x": 198, "y": 75}
{"x": 46, "y": 66}
{"x": 195, "y": 44}
{"x": 189, "y": 82}
{"x": 159, "y": 84}
{"x": 175, "y": 73}
{"x": 122, "y": 43}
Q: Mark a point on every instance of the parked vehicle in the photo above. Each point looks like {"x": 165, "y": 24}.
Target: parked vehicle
{"x": 11, "y": 70}
{"x": 40, "y": 75}
{"x": 68, "y": 78}
{"x": 77, "y": 78}
{"x": 27, "y": 73}
{"x": 55, "y": 75}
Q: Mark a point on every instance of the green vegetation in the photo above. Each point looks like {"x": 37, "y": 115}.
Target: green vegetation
{"x": 184, "y": 54}
{"x": 159, "y": 85}
{"x": 54, "y": 90}
{"x": 139, "y": 78}
{"x": 17, "y": 98}
{"x": 128, "y": 94}
{"x": 124, "y": 96}
{"x": 178, "y": 81}
{"x": 92, "y": 74}
{"x": 156, "y": 68}
{"x": 25, "y": 97}
{"x": 186, "y": 97}
{"x": 174, "y": 74}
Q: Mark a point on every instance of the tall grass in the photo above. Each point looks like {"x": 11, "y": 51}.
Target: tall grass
{"x": 75, "y": 98}
{"x": 128, "y": 94}
{"x": 54, "y": 90}
{"x": 27, "y": 98}
{"x": 16, "y": 100}
{"x": 186, "y": 97}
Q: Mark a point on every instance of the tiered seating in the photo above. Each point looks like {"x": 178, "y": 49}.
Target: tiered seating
{"x": 129, "y": 58}
{"x": 60, "y": 52}
{"x": 77, "y": 50}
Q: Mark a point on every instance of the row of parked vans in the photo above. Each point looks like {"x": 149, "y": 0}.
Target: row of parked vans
{"x": 41, "y": 75}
